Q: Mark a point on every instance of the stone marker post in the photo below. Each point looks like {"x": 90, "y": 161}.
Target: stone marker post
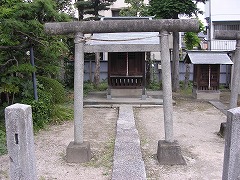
{"x": 231, "y": 164}
{"x": 78, "y": 151}
{"x": 20, "y": 142}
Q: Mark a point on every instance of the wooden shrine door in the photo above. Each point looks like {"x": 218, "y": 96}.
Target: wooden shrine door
{"x": 126, "y": 69}
{"x": 207, "y": 76}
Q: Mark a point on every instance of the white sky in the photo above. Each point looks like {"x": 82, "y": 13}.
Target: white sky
{"x": 201, "y": 17}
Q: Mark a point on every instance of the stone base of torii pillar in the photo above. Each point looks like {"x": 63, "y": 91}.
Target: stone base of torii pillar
{"x": 169, "y": 153}
{"x": 78, "y": 153}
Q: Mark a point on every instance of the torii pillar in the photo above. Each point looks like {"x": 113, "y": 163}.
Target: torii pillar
{"x": 79, "y": 150}
{"x": 233, "y": 35}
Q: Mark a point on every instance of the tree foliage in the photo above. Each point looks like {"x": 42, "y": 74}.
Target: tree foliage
{"x": 91, "y": 8}
{"x": 136, "y": 7}
{"x": 21, "y": 26}
{"x": 168, "y": 9}
{"x": 171, "y": 9}
{"x": 191, "y": 38}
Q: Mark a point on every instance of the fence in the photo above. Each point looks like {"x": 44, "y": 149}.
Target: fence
{"x": 156, "y": 72}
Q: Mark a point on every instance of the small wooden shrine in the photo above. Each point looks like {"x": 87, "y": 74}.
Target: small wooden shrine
{"x": 126, "y": 70}
{"x": 206, "y": 72}
{"x": 126, "y": 55}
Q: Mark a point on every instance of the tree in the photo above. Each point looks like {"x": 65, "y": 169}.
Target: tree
{"x": 136, "y": 8}
{"x": 91, "y": 8}
{"x": 171, "y": 9}
{"x": 191, "y": 40}
{"x": 21, "y": 27}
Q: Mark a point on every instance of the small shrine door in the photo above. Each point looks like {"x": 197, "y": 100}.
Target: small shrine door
{"x": 126, "y": 69}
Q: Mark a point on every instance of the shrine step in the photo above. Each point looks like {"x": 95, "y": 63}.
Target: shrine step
{"x": 133, "y": 93}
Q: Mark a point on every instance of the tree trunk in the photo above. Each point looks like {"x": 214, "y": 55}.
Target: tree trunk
{"x": 187, "y": 75}
{"x": 175, "y": 68}
{"x": 97, "y": 69}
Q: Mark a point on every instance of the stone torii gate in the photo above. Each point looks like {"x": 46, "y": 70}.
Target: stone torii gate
{"x": 232, "y": 35}
{"x": 79, "y": 150}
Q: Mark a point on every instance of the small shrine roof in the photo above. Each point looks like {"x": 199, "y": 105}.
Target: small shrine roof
{"x": 207, "y": 57}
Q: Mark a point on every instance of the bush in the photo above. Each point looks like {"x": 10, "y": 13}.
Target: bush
{"x": 102, "y": 86}
{"x": 155, "y": 86}
{"x": 87, "y": 87}
{"x": 41, "y": 109}
{"x": 61, "y": 113}
{"x": 54, "y": 87}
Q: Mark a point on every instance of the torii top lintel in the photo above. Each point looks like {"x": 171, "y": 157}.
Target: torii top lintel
{"x": 227, "y": 35}
{"x": 111, "y": 26}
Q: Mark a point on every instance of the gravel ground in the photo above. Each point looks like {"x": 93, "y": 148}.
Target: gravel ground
{"x": 50, "y": 148}
{"x": 195, "y": 128}
{"x": 196, "y": 125}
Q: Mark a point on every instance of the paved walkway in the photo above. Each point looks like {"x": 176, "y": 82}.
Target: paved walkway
{"x": 223, "y": 108}
{"x": 128, "y": 162}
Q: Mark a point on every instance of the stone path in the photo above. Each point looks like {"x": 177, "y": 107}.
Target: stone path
{"x": 223, "y": 108}
{"x": 128, "y": 162}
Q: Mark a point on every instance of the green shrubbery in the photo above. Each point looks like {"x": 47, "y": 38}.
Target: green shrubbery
{"x": 89, "y": 87}
{"x": 47, "y": 110}
{"x": 155, "y": 86}
{"x": 54, "y": 87}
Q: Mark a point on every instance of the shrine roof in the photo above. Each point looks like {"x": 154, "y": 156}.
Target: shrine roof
{"x": 207, "y": 57}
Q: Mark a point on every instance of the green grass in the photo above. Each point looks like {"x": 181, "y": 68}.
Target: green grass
{"x": 103, "y": 158}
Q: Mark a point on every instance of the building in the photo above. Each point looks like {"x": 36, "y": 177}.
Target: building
{"x": 115, "y": 8}
{"x": 222, "y": 15}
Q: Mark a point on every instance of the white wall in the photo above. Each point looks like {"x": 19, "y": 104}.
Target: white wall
{"x": 223, "y": 10}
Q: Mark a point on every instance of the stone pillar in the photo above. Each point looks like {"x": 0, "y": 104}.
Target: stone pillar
{"x": 235, "y": 78}
{"x": 168, "y": 152}
{"x": 167, "y": 87}
{"x": 20, "y": 142}
{"x": 78, "y": 88}
{"x": 78, "y": 151}
{"x": 231, "y": 164}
